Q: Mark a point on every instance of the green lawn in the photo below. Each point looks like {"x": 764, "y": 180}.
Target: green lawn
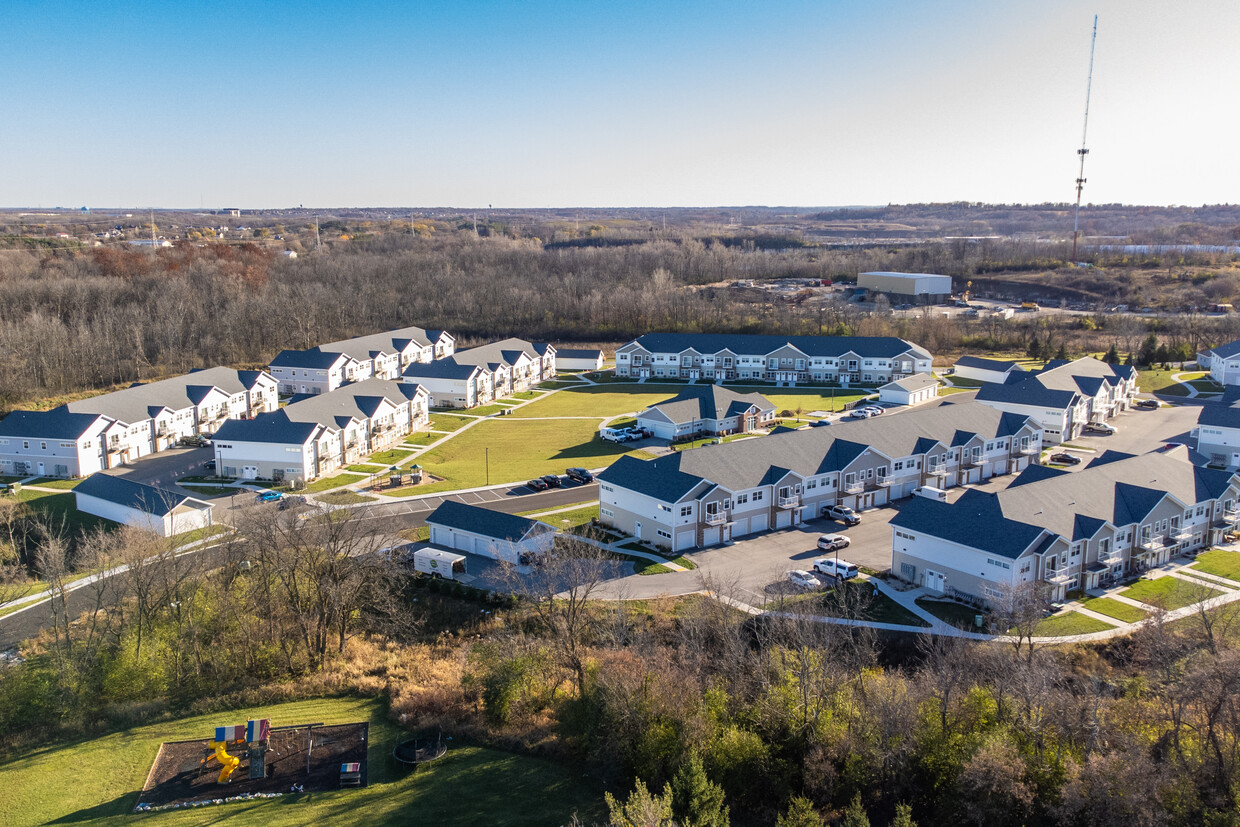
{"x": 1168, "y": 592}
{"x": 1219, "y": 563}
{"x": 612, "y": 400}
{"x": 568, "y": 519}
{"x": 1070, "y": 623}
{"x": 367, "y": 468}
{"x": 422, "y": 438}
{"x": 484, "y": 410}
{"x": 952, "y": 613}
{"x": 523, "y": 395}
{"x": 1206, "y": 386}
{"x": 448, "y": 422}
{"x": 1160, "y": 381}
{"x": 964, "y": 382}
{"x": 96, "y": 782}
{"x": 392, "y": 456}
{"x": 1114, "y": 608}
{"x": 553, "y": 384}
{"x": 518, "y": 450}
{"x": 806, "y": 399}
{"x": 345, "y": 498}
{"x": 326, "y": 483}
{"x": 55, "y": 482}
{"x": 882, "y": 609}
{"x": 208, "y": 490}
{"x": 1214, "y": 584}
{"x": 62, "y": 505}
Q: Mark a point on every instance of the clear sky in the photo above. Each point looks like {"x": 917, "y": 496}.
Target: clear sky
{"x": 537, "y": 104}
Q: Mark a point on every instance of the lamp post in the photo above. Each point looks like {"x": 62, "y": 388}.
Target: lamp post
{"x": 487, "y": 460}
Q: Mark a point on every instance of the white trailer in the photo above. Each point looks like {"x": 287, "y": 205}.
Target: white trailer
{"x": 439, "y": 563}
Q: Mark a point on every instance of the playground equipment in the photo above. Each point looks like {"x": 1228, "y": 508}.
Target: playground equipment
{"x": 254, "y": 735}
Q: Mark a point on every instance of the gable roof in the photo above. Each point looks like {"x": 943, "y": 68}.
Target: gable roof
{"x": 913, "y": 382}
{"x": 147, "y": 498}
{"x": 356, "y": 401}
{"x": 709, "y": 402}
{"x": 274, "y": 427}
{"x": 446, "y": 368}
{"x": 576, "y": 353}
{"x": 485, "y": 521}
{"x": 58, "y": 423}
{"x": 657, "y": 478}
{"x": 976, "y": 520}
{"x": 1029, "y": 392}
{"x": 389, "y": 342}
{"x": 314, "y": 357}
{"x": 1227, "y": 351}
{"x": 504, "y": 352}
{"x": 143, "y": 401}
{"x": 755, "y": 345}
{"x": 987, "y": 364}
{"x": 1225, "y": 413}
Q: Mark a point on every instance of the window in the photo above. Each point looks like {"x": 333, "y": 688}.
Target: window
{"x": 607, "y": 488}
{"x": 810, "y": 485}
{"x": 757, "y": 496}
{"x": 1025, "y": 566}
{"x": 741, "y": 499}
{"x": 666, "y": 508}
{"x": 26, "y": 445}
{"x": 606, "y": 512}
{"x": 665, "y": 534}
{"x": 686, "y": 510}
{"x": 990, "y": 561}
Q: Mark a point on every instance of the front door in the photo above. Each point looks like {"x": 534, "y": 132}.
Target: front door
{"x": 637, "y": 530}
{"x": 249, "y": 472}
{"x": 935, "y": 582}
{"x": 41, "y": 469}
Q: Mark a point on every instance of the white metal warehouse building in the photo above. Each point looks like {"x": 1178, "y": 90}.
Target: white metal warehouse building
{"x": 488, "y": 533}
{"x": 925, "y": 286}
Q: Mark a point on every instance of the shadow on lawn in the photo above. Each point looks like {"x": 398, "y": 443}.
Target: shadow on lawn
{"x": 121, "y": 805}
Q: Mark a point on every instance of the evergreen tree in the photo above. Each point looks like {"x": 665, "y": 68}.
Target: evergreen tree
{"x": 1112, "y": 355}
{"x": 1161, "y": 355}
{"x": 854, "y": 814}
{"x": 904, "y": 816}
{"x": 1034, "y": 351}
{"x": 696, "y": 800}
{"x": 1129, "y": 360}
{"x": 1062, "y": 353}
{"x": 642, "y": 809}
{"x": 800, "y": 813}
{"x": 1149, "y": 347}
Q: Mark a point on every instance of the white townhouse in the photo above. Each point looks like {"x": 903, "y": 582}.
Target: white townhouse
{"x": 322, "y": 432}
{"x": 55, "y": 443}
{"x": 312, "y": 371}
{"x": 707, "y": 409}
{"x": 1223, "y": 362}
{"x": 1065, "y": 396}
{"x": 709, "y": 495}
{"x": 478, "y": 375}
{"x": 122, "y": 426}
{"x": 1218, "y": 430}
{"x": 985, "y": 370}
{"x": 786, "y": 360}
{"x": 159, "y": 510}
{"x": 384, "y": 355}
{"x": 1086, "y": 529}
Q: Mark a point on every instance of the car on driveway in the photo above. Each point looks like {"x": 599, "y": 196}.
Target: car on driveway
{"x": 538, "y": 484}
{"x": 803, "y": 579}
{"x": 836, "y": 569}
{"x": 833, "y": 542}
{"x": 841, "y": 513}
{"x": 1147, "y": 403}
{"x": 552, "y": 480}
{"x": 195, "y": 441}
{"x": 873, "y": 410}
{"x": 209, "y": 465}
{"x": 1064, "y": 458}
{"x": 268, "y": 496}
{"x": 1099, "y": 428}
{"x": 580, "y": 475}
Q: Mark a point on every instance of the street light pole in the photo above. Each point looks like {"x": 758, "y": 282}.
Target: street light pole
{"x": 487, "y": 460}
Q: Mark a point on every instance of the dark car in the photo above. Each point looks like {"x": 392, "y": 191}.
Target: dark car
{"x": 209, "y": 465}
{"x": 195, "y": 441}
{"x": 552, "y": 480}
{"x": 819, "y": 423}
{"x": 537, "y": 484}
{"x": 581, "y": 475}
{"x": 1147, "y": 403}
{"x": 1066, "y": 459}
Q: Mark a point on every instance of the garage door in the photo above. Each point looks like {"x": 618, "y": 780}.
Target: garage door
{"x": 710, "y": 536}
{"x": 758, "y": 523}
{"x": 880, "y": 496}
{"x": 905, "y": 489}
{"x": 686, "y": 540}
{"x": 663, "y": 430}
{"x": 481, "y": 546}
{"x": 783, "y": 518}
{"x": 740, "y": 527}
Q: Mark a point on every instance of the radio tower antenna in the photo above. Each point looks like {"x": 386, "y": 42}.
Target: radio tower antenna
{"x": 1080, "y": 179}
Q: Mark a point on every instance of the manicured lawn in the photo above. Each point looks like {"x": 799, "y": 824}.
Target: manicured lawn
{"x": 392, "y": 456}
{"x": 345, "y": 498}
{"x": 1115, "y": 609}
{"x": 1070, "y": 623}
{"x": 367, "y": 468}
{"x": 881, "y": 609}
{"x": 326, "y": 483}
{"x": 1219, "y": 563}
{"x": 5, "y": 479}
{"x": 1206, "y": 386}
{"x": 54, "y": 482}
{"x": 448, "y": 422}
{"x": 523, "y": 395}
{"x": 806, "y": 399}
{"x": 97, "y": 781}
{"x": 1168, "y": 592}
{"x": 568, "y": 519}
{"x": 484, "y": 410}
{"x": 964, "y": 382}
{"x": 954, "y": 614}
{"x": 422, "y": 438}
{"x": 612, "y": 400}
{"x": 518, "y": 450}
{"x": 209, "y": 490}
{"x": 1160, "y": 381}
{"x": 556, "y": 385}
{"x": 62, "y": 506}
{"x": 1214, "y": 584}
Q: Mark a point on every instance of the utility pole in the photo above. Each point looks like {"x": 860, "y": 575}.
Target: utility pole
{"x": 1082, "y": 152}
{"x": 152, "y": 229}
{"x": 318, "y": 243}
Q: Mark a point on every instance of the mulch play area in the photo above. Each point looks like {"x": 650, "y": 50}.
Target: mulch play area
{"x": 185, "y": 773}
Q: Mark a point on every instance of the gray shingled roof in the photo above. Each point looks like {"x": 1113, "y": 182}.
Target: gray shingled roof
{"x": 986, "y": 364}
{"x": 58, "y": 423}
{"x": 1225, "y": 413}
{"x": 274, "y": 427}
{"x": 358, "y": 400}
{"x": 710, "y": 402}
{"x": 577, "y": 353}
{"x": 976, "y": 520}
{"x": 312, "y": 358}
{"x": 389, "y": 342}
{"x": 1029, "y": 392}
{"x": 484, "y": 521}
{"x": 504, "y": 352}
{"x": 446, "y": 368}
{"x": 148, "y": 498}
{"x": 1228, "y": 350}
{"x": 140, "y": 402}
{"x": 880, "y": 347}
{"x": 915, "y": 382}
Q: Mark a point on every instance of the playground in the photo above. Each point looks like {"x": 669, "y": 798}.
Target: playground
{"x": 255, "y": 761}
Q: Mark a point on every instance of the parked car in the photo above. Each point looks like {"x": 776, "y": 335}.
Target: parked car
{"x": 833, "y": 542}
{"x": 873, "y": 410}
{"x": 930, "y": 493}
{"x": 819, "y": 423}
{"x": 268, "y": 496}
{"x": 839, "y": 569}
{"x": 581, "y": 475}
{"x": 195, "y": 441}
{"x": 841, "y": 513}
{"x": 1148, "y": 403}
{"x": 552, "y": 480}
{"x": 209, "y": 465}
{"x": 1064, "y": 458}
{"x": 804, "y": 579}
{"x": 1099, "y": 428}
{"x": 614, "y": 434}
{"x": 537, "y": 484}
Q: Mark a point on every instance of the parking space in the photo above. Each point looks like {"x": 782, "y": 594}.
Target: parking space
{"x": 166, "y": 467}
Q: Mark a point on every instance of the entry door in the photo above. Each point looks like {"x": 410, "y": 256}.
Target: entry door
{"x": 637, "y": 530}
{"x": 249, "y": 472}
{"x": 935, "y": 581}
{"x": 41, "y": 469}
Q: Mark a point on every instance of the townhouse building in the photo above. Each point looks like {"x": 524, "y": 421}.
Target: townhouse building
{"x": 1116, "y": 517}
{"x": 1218, "y": 430}
{"x": 712, "y": 494}
{"x": 319, "y": 433}
{"x": 111, "y": 429}
{"x": 708, "y": 410}
{"x": 383, "y": 355}
{"x": 1223, "y": 362}
{"x": 1065, "y": 396}
{"x": 787, "y": 360}
{"x": 479, "y": 375}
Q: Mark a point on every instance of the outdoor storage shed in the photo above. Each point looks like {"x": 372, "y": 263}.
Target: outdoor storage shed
{"x": 488, "y": 533}
{"x": 155, "y": 509}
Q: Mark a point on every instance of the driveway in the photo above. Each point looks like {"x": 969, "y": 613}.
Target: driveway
{"x": 166, "y": 467}
{"x": 1140, "y": 431}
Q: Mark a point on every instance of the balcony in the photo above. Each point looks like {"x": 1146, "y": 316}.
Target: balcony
{"x": 1112, "y": 558}
{"x": 970, "y": 460}
{"x": 789, "y": 502}
{"x": 1030, "y": 450}
{"x": 716, "y": 518}
{"x": 1182, "y": 534}
{"x": 936, "y": 471}
{"x": 1058, "y": 577}
{"x": 883, "y": 482}
{"x": 854, "y": 487}
{"x": 1153, "y": 544}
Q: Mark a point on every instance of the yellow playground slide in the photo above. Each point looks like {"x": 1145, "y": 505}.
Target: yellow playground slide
{"x": 228, "y": 763}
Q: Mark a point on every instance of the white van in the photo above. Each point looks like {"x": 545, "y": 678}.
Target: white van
{"x": 439, "y": 563}
{"x": 839, "y": 569}
{"x": 931, "y": 493}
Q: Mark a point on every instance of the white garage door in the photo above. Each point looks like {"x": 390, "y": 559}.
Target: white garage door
{"x": 758, "y": 522}
{"x": 686, "y": 540}
{"x": 462, "y": 542}
{"x": 710, "y": 536}
{"x": 663, "y": 430}
{"x": 482, "y": 546}
{"x": 783, "y": 518}
{"x": 441, "y": 536}
{"x": 740, "y": 527}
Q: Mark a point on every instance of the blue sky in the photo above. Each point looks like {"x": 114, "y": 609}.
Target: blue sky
{"x": 538, "y": 104}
